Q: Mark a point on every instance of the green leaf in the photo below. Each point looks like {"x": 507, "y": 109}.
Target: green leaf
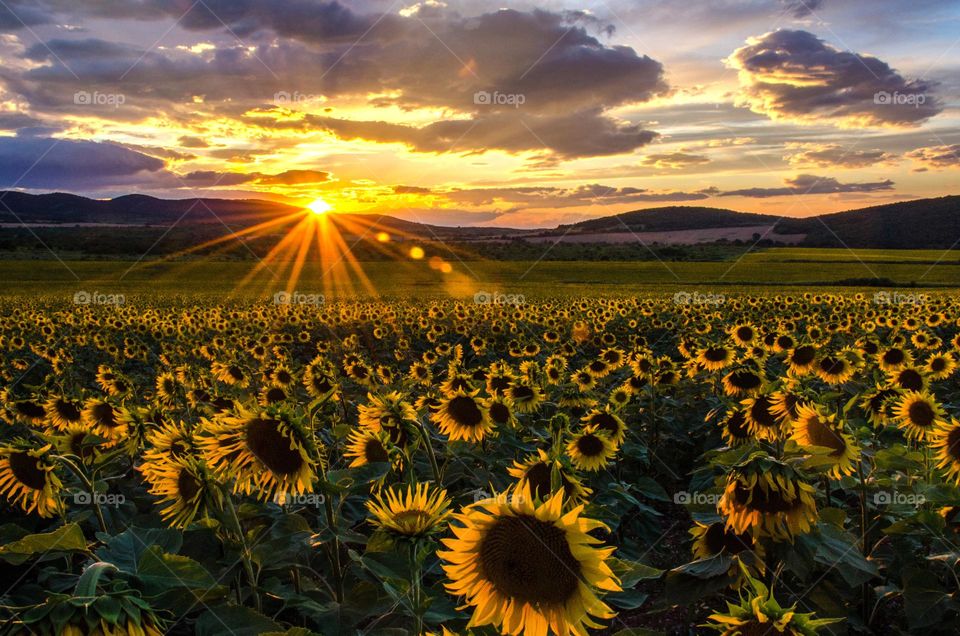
{"x": 922, "y": 597}
{"x": 126, "y": 549}
{"x": 238, "y": 621}
{"x": 176, "y": 583}
{"x": 838, "y": 550}
{"x": 632, "y": 572}
{"x": 87, "y": 585}
{"x": 66, "y": 538}
{"x": 691, "y": 582}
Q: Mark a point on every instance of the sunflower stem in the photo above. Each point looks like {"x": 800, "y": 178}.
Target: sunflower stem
{"x": 335, "y": 556}
{"x": 88, "y": 485}
{"x": 415, "y": 588}
{"x": 425, "y": 435}
{"x": 245, "y": 551}
{"x": 864, "y": 544}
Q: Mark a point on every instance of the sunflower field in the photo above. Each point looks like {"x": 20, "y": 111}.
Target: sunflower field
{"x": 768, "y": 464}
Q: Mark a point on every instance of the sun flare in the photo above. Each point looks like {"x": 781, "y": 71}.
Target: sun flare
{"x": 319, "y": 207}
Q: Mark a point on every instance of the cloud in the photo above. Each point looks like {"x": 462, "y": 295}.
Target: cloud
{"x": 405, "y": 189}
{"x": 558, "y": 197}
{"x": 580, "y": 134}
{"x": 794, "y": 75}
{"x": 551, "y": 82}
{"x": 187, "y": 141}
{"x": 937, "y": 157}
{"x": 64, "y": 163}
{"x": 213, "y": 178}
{"x": 16, "y": 15}
{"x": 809, "y": 184}
{"x": 835, "y": 156}
{"x": 674, "y": 160}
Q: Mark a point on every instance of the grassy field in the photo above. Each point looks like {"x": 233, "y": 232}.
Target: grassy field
{"x": 768, "y": 269}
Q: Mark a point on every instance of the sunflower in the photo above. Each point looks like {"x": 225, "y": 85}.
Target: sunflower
{"x": 167, "y": 442}
{"x": 768, "y": 498}
{"x": 419, "y": 511}
{"x": 106, "y": 420}
{"x": 893, "y": 358}
{"x": 785, "y": 404}
{"x": 918, "y": 414}
{"x": 711, "y": 539}
{"x": 526, "y": 396}
{"x": 940, "y": 366}
{"x": 28, "y": 480}
{"x": 715, "y": 358}
{"x": 761, "y": 417}
{"x": 946, "y": 442}
{"x": 734, "y": 429}
{"x": 185, "y": 487}
{"x": 606, "y": 421}
{"x": 528, "y": 568}
{"x": 759, "y": 613}
{"x": 463, "y": 417}
{"x": 268, "y": 454}
{"x": 908, "y": 379}
{"x": 538, "y": 473}
{"x": 500, "y": 410}
{"x": 319, "y": 380}
{"x": 742, "y": 382}
{"x": 590, "y": 450}
{"x": 230, "y": 373}
{"x": 834, "y": 369}
{"x": 743, "y": 334}
{"x": 367, "y": 446}
{"x": 274, "y": 394}
{"x": 166, "y": 388}
{"x": 63, "y": 413}
{"x": 390, "y": 412}
{"x": 814, "y": 428}
{"x": 802, "y": 360}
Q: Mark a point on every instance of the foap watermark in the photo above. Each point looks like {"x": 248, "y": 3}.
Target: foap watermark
{"x": 304, "y": 499}
{"x": 496, "y": 298}
{"x": 298, "y": 298}
{"x": 893, "y": 498}
{"x": 896, "y": 98}
{"x": 496, "y": 98}
{"x": 684, "y": 498}
{"x": 96, "y": 98}
{"x": 285, "y": 98}
{"x": 98, "y": 298}
{"x": 899, "y": 298}
{"x": 98, "y": 499}
{"x": 696, "y": 298}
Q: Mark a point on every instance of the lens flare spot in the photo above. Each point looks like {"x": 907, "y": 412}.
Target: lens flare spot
{"x": 383, "y": 237}
{"x": 416, "y": 253}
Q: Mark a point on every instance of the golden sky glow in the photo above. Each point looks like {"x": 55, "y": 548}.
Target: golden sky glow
{"x": 473, "y": 114}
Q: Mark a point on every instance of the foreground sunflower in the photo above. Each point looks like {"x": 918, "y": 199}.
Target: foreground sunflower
{"x": 759, "y": 613}
{"x": 27, "y": 479}
{"x": 526, "y": 567}
{"x": 416, "y": 512}
{"x": 269, "y": 454}
{"x": 768, "y": 498}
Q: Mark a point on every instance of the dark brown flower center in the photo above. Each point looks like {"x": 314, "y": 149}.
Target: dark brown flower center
{"x": 464, "y": 411}
{"x": 187, "y": 485}
{"x": 27, "y": 470}
{"x": 921, "y": 413}
{"x": 272, "y": 447}
{"x": 590, "y": 446}
{"x": 375, "y": 452}
{"x": 530, "y": 561}
{"x": 804, "y": 355}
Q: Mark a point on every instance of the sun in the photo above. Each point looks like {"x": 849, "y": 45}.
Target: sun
{"x": 319, "y": 207}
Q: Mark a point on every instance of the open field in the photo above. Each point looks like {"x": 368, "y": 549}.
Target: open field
{"x": 770, "y": 269}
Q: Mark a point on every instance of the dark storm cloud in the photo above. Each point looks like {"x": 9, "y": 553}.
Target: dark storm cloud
{"x": 213, "y": 178}
{"x": 52, "y": 163}
{"x": 810, "y": 184}
{"x": 796, "y": 75}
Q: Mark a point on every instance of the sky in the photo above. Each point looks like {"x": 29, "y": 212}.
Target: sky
{"x": 508, "y": 114}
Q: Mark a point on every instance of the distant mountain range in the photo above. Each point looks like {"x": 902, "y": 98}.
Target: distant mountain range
{"x": 923, "y": 223}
